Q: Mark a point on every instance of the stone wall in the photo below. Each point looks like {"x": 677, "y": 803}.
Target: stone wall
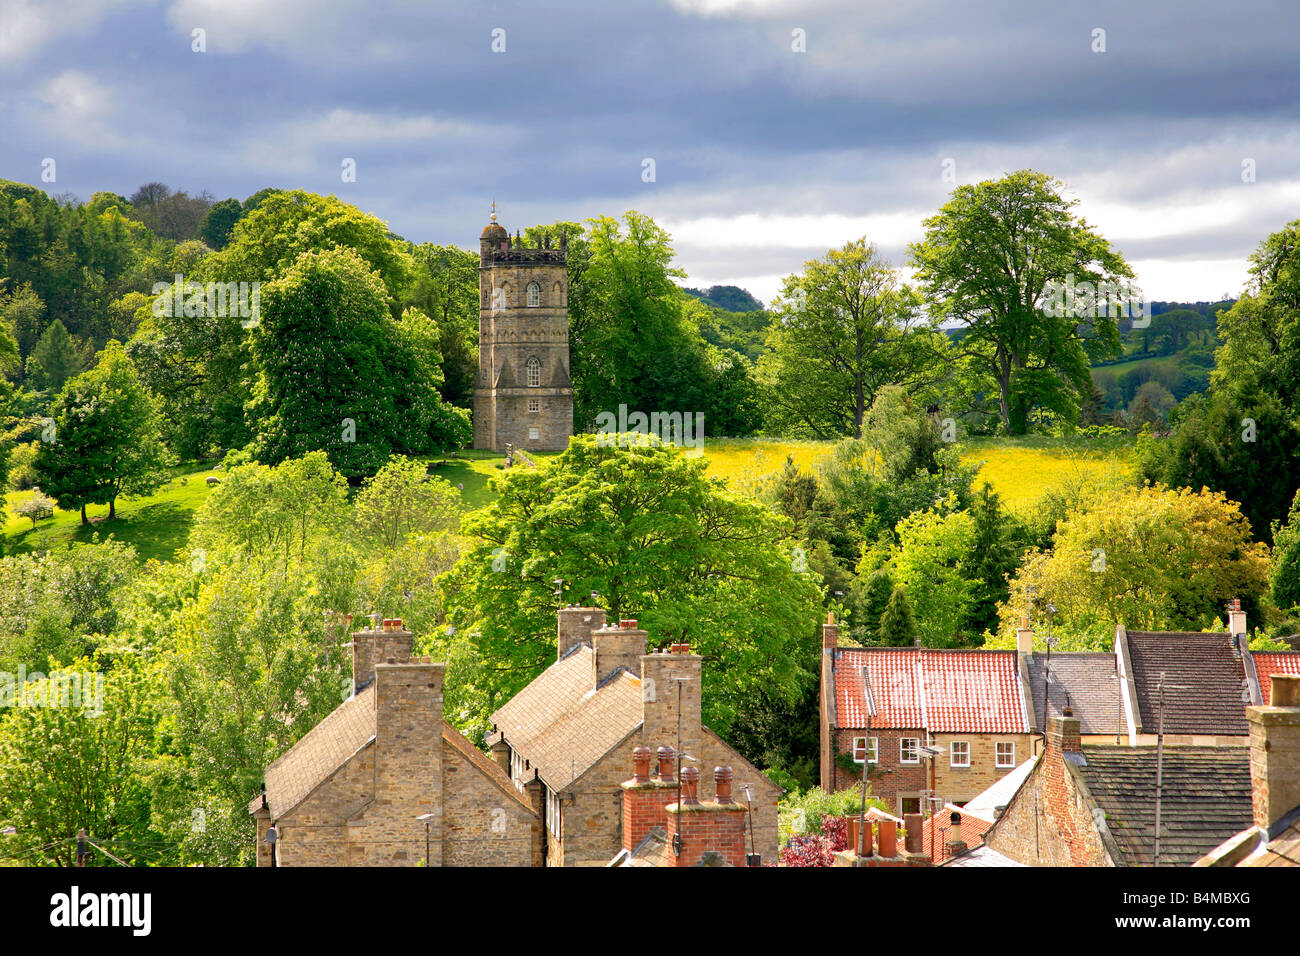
{"x": 483, "y": 826}
{"x": 959, "y": 784}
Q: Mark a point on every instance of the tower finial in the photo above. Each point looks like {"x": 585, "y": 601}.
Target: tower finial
{"x": 494, "y": 210}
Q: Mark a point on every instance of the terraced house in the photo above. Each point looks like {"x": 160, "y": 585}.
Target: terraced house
{"x": 933, "y": 726}
{"x": 567, "y": 739}
{"x": 384, "y": 780}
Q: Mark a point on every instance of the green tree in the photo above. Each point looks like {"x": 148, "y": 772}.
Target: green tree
{"x": 219, "y": 222}
{"x": 54, "y": 360}
{"x": 1150, "y": 558}
{"x": 846, "y": 327}
{"x": 897, "y": 625}
{"x": 106, "y": 438}
{"x": 402, "y": 500}
{"x": 988, "y": 259}
{"x": 1285, "y": 578}
{"x": 647, "y": 532}
{"x": 336, "y": 373}
{"x": 446, "y": 289}
{"x": 929, "y": 564}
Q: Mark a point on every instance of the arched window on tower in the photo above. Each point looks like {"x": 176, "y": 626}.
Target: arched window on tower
{"x": 534, "y": 373}
{"x": 534, "y": 295}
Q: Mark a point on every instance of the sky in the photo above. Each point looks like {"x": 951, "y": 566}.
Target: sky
{"x": 776, "y": 130}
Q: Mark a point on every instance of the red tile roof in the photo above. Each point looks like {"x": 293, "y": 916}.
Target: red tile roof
{"x": 1268, "y": 663}
{"x": 944, "y": 691}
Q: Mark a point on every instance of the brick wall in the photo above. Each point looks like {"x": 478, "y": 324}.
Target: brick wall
{"x": 1048, "y": 823}
{"x": 708, "y": 827}
{"x": 890, "y": 777}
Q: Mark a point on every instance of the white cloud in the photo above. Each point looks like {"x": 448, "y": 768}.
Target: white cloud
{"x": 78, "y": 108}
{"x": 26, "y": 27}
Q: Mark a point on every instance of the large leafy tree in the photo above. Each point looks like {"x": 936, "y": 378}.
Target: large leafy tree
{"x": 655, "y": 539}
{"x": 1150, "y": 558}
{"x": 446, "y": 290}
{"x": 930, "y": 564}
{"x": 1285, "y": 578}
{"x": 846, "y": 327}
{"x": 337, "y": 373}
{"x": 987, "y": 260}
{"x": 106, "y": 438}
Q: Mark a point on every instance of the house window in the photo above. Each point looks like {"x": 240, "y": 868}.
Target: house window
{"x": 534, "y": 405}
{"x": 534, "y": 434}
{"x": 959, "y": 753}
{"x": 909, "y": 750}
{"x": 534, "y": 295}
{"x": 908, "y": 805}
{"x": 553, "y": 813}
{"x": 517, "y": 769}
{"x": 1006, "y": 756}
{"x": 861, "y": 749}
{"x": 534, "y": 368}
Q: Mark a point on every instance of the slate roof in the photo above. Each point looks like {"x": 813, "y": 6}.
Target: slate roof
{"x": 1087, "y": 680}
{"x": 982, "y": 856}
{"x": 1283, "y": 847}
{"x": 320, "y": 752}
{"x": 1205, "y": 681}
{"x": 1268, "y": 663}
{"x": 944, "y": 691}
{"x": 564, "y": 726}
{"x": 335, "y": 740}
{"x": 1205, "y": 799}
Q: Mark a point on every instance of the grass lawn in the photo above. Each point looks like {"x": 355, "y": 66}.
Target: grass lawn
{"x": 157, "y": 525}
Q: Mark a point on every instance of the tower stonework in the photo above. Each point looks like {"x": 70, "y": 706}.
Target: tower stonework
{"x": 523, "y": 396}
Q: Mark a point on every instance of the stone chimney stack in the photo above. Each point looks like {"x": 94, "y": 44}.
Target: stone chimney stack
{"x": 373, "y": 645}
{"x": 1236, "y": 618}
{"x": 830, "y": 633}
{"x": 707, "y": 828}
{"x": 616, "y": 647}
{"x": 661, "y": 677}
{"x": 574, "y": 626}
{"x": 408, "y": 760}
{"x": 1024, "y": 637}
{"x": 1275, "y": 752}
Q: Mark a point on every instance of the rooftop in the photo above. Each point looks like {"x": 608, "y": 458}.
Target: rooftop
{"x": 1205, "y": 681}
{"x": 1087, "y": 681}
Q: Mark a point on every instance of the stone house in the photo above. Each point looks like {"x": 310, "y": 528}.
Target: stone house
{"x": 1274, "y": 838}
{"x": 384, "y": 780}
{"x": 933, "y": 725}
{"x": 567, "y": 739}
{"x": 1095, "y": 805}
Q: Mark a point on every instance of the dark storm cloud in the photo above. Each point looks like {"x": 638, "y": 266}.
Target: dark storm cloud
{"x": 737, "y": 123}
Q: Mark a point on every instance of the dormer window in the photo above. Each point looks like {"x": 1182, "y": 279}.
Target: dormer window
{"x": 534, "y": 295}
{"x": 534, "y": 368}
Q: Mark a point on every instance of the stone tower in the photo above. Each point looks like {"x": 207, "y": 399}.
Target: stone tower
{"x": 523, "y": 396}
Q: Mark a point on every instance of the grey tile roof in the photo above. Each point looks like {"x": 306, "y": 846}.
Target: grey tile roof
{"x": 1205, "y": 799}
{"x": 1204, "y": 678}
{"x": 1087, "y": 680}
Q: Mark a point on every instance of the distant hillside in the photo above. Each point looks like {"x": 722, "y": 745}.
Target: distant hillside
{"x": 729, "y": 298}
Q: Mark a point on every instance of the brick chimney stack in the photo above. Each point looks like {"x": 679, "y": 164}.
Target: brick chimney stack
{"x": 574, "y": 626}
{"x": 661, "y": 676}
{"x": 616, "y": 647}
{"x": 830, "y": 633}
{"x": 373, "y": 645}
{"x": 1063, "y": 734}
{"x": 707, "y": 828}
{"x": 1275, "y": 752}
{"x": 645, "y": 798}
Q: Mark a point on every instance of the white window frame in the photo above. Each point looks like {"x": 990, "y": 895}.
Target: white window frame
{"x": 533, "y": 369}
{"x": 534, "y": 434}
{"x": 953, "y": 760}
{"x": 534, "y": 406}
{"x": 871, "y": 746}
{"x": 554, "y": 816}
{"x": 534, "y": 294}
{"x": 998, "y": 761}
{"x": 517, "y": 769}
{"x": 915, "y": 748}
